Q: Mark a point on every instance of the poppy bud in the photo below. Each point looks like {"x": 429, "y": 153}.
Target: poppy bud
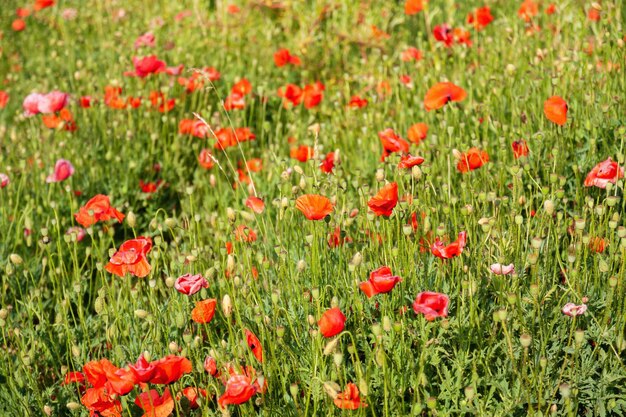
{"x": 141, "y": 314}
{"x": 47, "y": 410}
{"x": 301, "y": 265}
{"x": 293, "y": 390}
{"x": 311, "y": 320}
{"x": 357, "y": 259}
{"x": 16, "y": 259}
{"x": 330, "y": 346}
{"x": 173, "y": 347}
{"x": 4, "y": 313}
{"x": 565, "y": 390}
{"x": 431, "y": 403}
{"x": 315, "y": 293}
{"x": 380, "y": 175}
{"x": 230, "y": 263}
{"x": 280, "y": 331}
{"x": 579, "y": 336}
{"x": 212, "y": 180}
{"x": 525, "y": 340}
{"x": 230, "y": 214}
{"x": 469, "y": 393}
{"x": 72, "y": 406}
{"x": 416, "y": 172}
{"x": 501, "y": 314}
{"x": 131, "y": 219}
{"x": 603, "y": 266}
{"x": 332, "y": 389}
{"x": 227, "y": 307}
{"x": 169, "y": 282}
{"x": 548, "y": 206}
{"x": 612, "y": 282}
{"x": 338, "y": 359}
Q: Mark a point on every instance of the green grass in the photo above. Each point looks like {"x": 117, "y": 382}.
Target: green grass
{"x": 505, "y": 349}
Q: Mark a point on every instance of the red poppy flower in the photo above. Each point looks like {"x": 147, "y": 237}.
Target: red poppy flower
{"x": 210, "y": 365}
{"x": 336, "y": 238}
{"x": 312, "y": 94}
{"x": 283, "y": 57}
{"x": 603, "y": 173}
{"x": 18, "y": 25}
{"x": 480, "y": 17}
{"x": 462, "y": 36}
{"x": 43, "y": 4}
{"x": 381, "y": 281}
{"x": 242, "y": 87}
{"x": 443, "y": 33}
{"x": 170, "y": 369}
{"x": 143, "y": 370}
{"x": 255, "y": 345}
{"x": 234, "y": 101}
{"x": 332, "y": 322}
{"x": 555, "y": 109}
{"x": 227, "y": 137}
{"x": 431, "y": 305}
{"x": 409, "y": 161}
{"x": 149, "y": 187}
{"x": 349, "y": 399}
{"x": 551, "y": 9}
{"x": 131, "y": 258}
{"x": 412, "y": 7}
{"x": 597, "y": 244}
{"x": 190, "y": 284}
{"x": 302, "y": 153}
{"x": 256, "y": 204}
{"x": 72, "y": 377}
{"x": 411, "y": 54}
{"x": 520, "y": 148}
{"x": 472, "y": 159}
{"x": 528, "y": 10}
{"x": 86, "y": 102}
{"x": 103, "y": 374}
{"x": 593, "y": 14}
{"x": 204, "y": 311}
{"x": 442, "y": 93}
{"x": 206, "y": 159}
{"x": 154, "y": 405}
{"x": 313, "y": 206}
{"x": 328, "y": 164}
{"x": 357, "y": 102}
{"x": 101, "y": 401}
{"x": 4, "y": 99}
{"x": 454, "y": 249}
{"x": 97, "y": 209}
{"x": 192, "y": 394}
{"x": 291, "y": 95}
{"x": 239, "y": 389}
{"x": 244, "y": 233}
{"x": 383, "y": 203}
{"x": 392, "y": 143}
{"x": 146, "y": 66}
{"x": 417, "y": 132}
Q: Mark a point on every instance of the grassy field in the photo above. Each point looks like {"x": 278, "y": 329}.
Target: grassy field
{"x": 312, "y": 208}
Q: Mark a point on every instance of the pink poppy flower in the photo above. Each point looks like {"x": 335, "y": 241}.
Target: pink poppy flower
{"x": 78, "y": 231}
{"x": 500, "y": 269}
{"x": 147, "y": 39}
{"x": 190, "y": 284}
{"x": 4, "y": 180}
{"x": 63, "y": 169}
{"x": 431, "y": 305}
{"x": 53, "y": 102}
{"x": 31, "y": 104}
{"x": 573, "y": 310}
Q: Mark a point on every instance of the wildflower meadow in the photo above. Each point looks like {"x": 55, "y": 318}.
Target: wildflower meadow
{"x": 312, "y": 208}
